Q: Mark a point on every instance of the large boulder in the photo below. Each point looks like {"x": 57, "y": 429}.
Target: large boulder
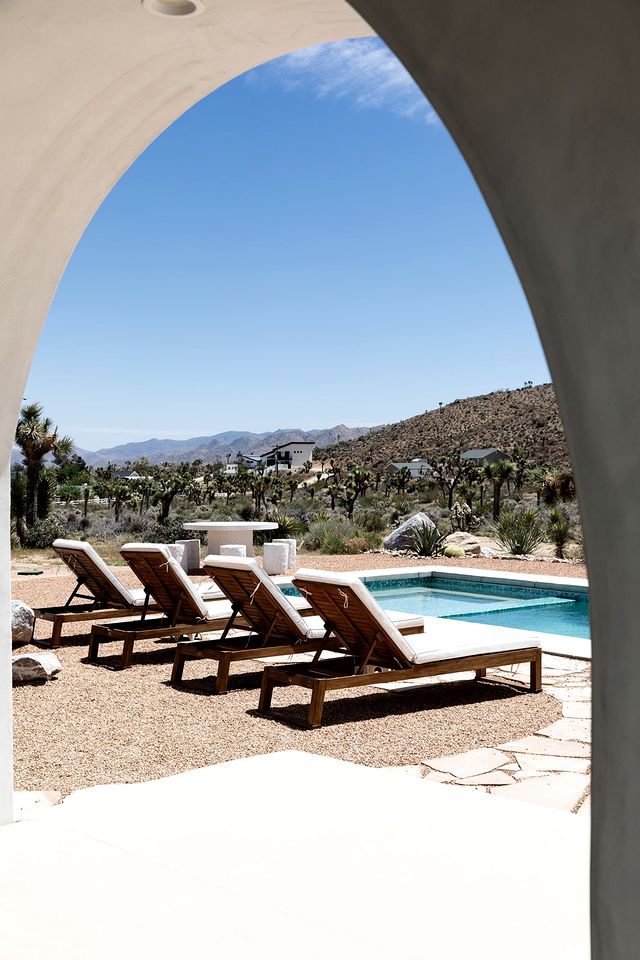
{"x": 31, "y": 667}
{"x": 470, "y": 544}
{"x": 401, "y": 538}
{"x": 22, "y": 621}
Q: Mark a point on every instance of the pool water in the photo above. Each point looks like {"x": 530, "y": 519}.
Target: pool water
{"x": 499, "y": 605}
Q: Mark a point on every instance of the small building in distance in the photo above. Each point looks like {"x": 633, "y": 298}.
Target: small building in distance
{"x": 127, "y": 475}
{"x": 486, "y": 455}
{"x": 287, "y": 456}
{"x": 417, "y": 467}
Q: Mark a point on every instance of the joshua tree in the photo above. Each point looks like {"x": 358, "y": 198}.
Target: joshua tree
{"x": 292, "y": 484}
{"x": 447, "y": 471}
{"x": 307, "y": 466}
{"x": 499, "y": 474}
{"x": 36, "y": 437}
{"x": 402, "y": 478}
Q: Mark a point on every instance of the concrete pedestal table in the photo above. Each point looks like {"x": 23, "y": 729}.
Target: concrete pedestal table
{"x": 235, "y": 531}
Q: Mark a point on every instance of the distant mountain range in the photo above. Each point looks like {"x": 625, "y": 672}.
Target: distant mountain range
{"x": 527, "y": 418}
{"x": 211, "y": 449}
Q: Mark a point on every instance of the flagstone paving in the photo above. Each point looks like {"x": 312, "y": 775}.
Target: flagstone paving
{"x": 550, "y": 767}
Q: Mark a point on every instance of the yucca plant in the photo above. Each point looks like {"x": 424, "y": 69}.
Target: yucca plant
{"x": 559, "y": 529}
{"x": 427, "y": 540}
{"x": 519, "y": 531}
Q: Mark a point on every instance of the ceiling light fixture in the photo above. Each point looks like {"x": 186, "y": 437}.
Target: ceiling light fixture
{"x": 173, "y": 8}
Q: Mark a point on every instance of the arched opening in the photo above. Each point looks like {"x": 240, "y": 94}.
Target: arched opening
{"x": 544, "y": 113}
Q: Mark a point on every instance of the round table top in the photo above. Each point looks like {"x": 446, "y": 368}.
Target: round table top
{"x": 231, "y": 525}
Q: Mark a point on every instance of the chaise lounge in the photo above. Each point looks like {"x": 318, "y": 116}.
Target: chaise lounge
{"x": 184, "y": 611}
{"x": 377, "y": 650}
{"x": 107, "y": 596}
{"x": 276, "y": 622}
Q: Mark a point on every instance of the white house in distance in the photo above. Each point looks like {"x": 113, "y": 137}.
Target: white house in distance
{"x": 417, "y": 467}
{"x": 288, "y": 456}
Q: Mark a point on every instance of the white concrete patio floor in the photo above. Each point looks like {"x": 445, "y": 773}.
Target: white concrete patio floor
{"x": 293, "y": 855}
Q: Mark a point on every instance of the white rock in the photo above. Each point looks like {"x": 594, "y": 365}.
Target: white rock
{"x": 496, "y": 778}
{"x": 545, "y": 746}
{"x": 562, "y": 790}
{"x": 470, "y": 544}
{"x": 401, "y": 538}
{"x": 28, "y": 667}
{"x": 568, "y": 729}
{"x": 22, "y": 621}
{"x": 469, "y": 764}
{"x": 530, "y": 762}
{"x": 577, "y": 710}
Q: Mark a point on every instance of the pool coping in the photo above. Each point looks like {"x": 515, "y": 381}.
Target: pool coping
{"x": 578, "y": 648}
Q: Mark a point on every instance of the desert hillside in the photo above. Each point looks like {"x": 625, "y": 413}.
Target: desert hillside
{"x": 527, "y": 418}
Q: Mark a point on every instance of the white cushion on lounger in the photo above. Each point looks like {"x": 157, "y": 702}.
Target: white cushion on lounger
{"x": 374, "y": 608}
{"x": 86, "y": 548}
{"x": 249, "y": 563}
{"x": 448, "y": 639}
{"x": 174, "y": 571}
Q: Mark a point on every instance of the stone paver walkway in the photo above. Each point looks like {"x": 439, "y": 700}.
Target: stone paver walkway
{"x": 550, "y": 767}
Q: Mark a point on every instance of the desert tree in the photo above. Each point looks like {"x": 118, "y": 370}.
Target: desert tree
{"x": 37, "y": 437}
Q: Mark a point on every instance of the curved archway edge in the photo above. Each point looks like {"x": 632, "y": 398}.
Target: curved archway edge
{"x": 542, "y": 99}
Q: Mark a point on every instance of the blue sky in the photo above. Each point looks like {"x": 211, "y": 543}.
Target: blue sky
{"x": 304, "y": 247}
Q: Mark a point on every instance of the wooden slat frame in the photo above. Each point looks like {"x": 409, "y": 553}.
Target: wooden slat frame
{"x": 341, "y": 673}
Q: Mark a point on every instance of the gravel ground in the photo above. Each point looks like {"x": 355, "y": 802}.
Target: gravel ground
{"x": 99, "y": 725}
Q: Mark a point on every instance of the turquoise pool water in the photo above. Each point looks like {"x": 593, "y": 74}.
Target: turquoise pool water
{"x": 500, "y": 605}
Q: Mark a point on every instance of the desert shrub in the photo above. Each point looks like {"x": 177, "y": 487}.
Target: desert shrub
{"x": 334, "y": 543}
{"x": 288, "y": 526}
{"x": 519, "y": 531}
{"x": 453, "y": 551}
{"x": 334, "y": 527}
{"x": 355, "y": 545}
{"x": 427, "y": 541}
{"x": 247, "y": 512}
{"x": 559, "y": 529}
{"x": 43, "y": 533}
{"x": 371, "y": 520}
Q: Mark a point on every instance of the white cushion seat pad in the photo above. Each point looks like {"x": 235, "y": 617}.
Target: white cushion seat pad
{"x": 450, "y": 639}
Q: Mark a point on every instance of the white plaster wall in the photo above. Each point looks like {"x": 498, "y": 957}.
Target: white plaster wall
{"x": 543, "y": 99}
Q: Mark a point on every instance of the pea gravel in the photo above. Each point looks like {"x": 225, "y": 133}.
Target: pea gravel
{"x": 99, "y": 725}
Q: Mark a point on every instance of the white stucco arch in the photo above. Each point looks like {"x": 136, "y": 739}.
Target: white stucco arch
{"x": 543, "y": 100}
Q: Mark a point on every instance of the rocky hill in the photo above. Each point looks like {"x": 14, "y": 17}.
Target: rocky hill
{"x": 527, "y": 418}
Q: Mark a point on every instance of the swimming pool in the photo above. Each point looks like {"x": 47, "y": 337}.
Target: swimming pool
{"x": 537, "y": 609}
{"x": 555, "y": 609}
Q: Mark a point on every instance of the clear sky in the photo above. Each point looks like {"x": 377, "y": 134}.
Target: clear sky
{"x": 304, "y": 247}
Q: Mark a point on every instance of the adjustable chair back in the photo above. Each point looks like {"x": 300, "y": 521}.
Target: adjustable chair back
{"x": 349, "y": 610}
{"x": 93, "y": 574}
{"x": 258, "y": 599}
{"x": 164, "y": 579}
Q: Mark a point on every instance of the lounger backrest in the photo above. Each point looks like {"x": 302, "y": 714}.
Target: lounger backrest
{"x": 259, "y": 600}
{"x": 166, "y": 581}
{"x": 89, "y": 567}
{"x": 343, "y": 601}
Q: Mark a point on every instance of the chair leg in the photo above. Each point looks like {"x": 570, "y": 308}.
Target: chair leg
{"x": 56, "y": 633}
{"x": 536, "y": 673}
{"x": 127, "y": 653}
{"x": 178, "y": 666}
{"x": 222, "y": 678}
{"x": 481, "y": 674}
{"x": 94, "y": 646}
{"x": 316, "y": 706}
{"x": 266, "y": 691}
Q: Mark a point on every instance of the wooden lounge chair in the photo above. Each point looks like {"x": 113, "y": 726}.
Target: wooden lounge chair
{"x": 374, "y": 644}
{"x": 106, "y": 596}
{"x": 184, "y": 611}
{"x": 276, "y": 622}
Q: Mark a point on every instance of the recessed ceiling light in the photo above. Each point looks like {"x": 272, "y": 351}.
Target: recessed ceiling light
{"x": 174, "y": 8}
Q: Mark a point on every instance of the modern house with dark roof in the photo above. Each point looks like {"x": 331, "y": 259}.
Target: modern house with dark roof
{"x": 486, "y": 455}
{"x": 417, "y": 467}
